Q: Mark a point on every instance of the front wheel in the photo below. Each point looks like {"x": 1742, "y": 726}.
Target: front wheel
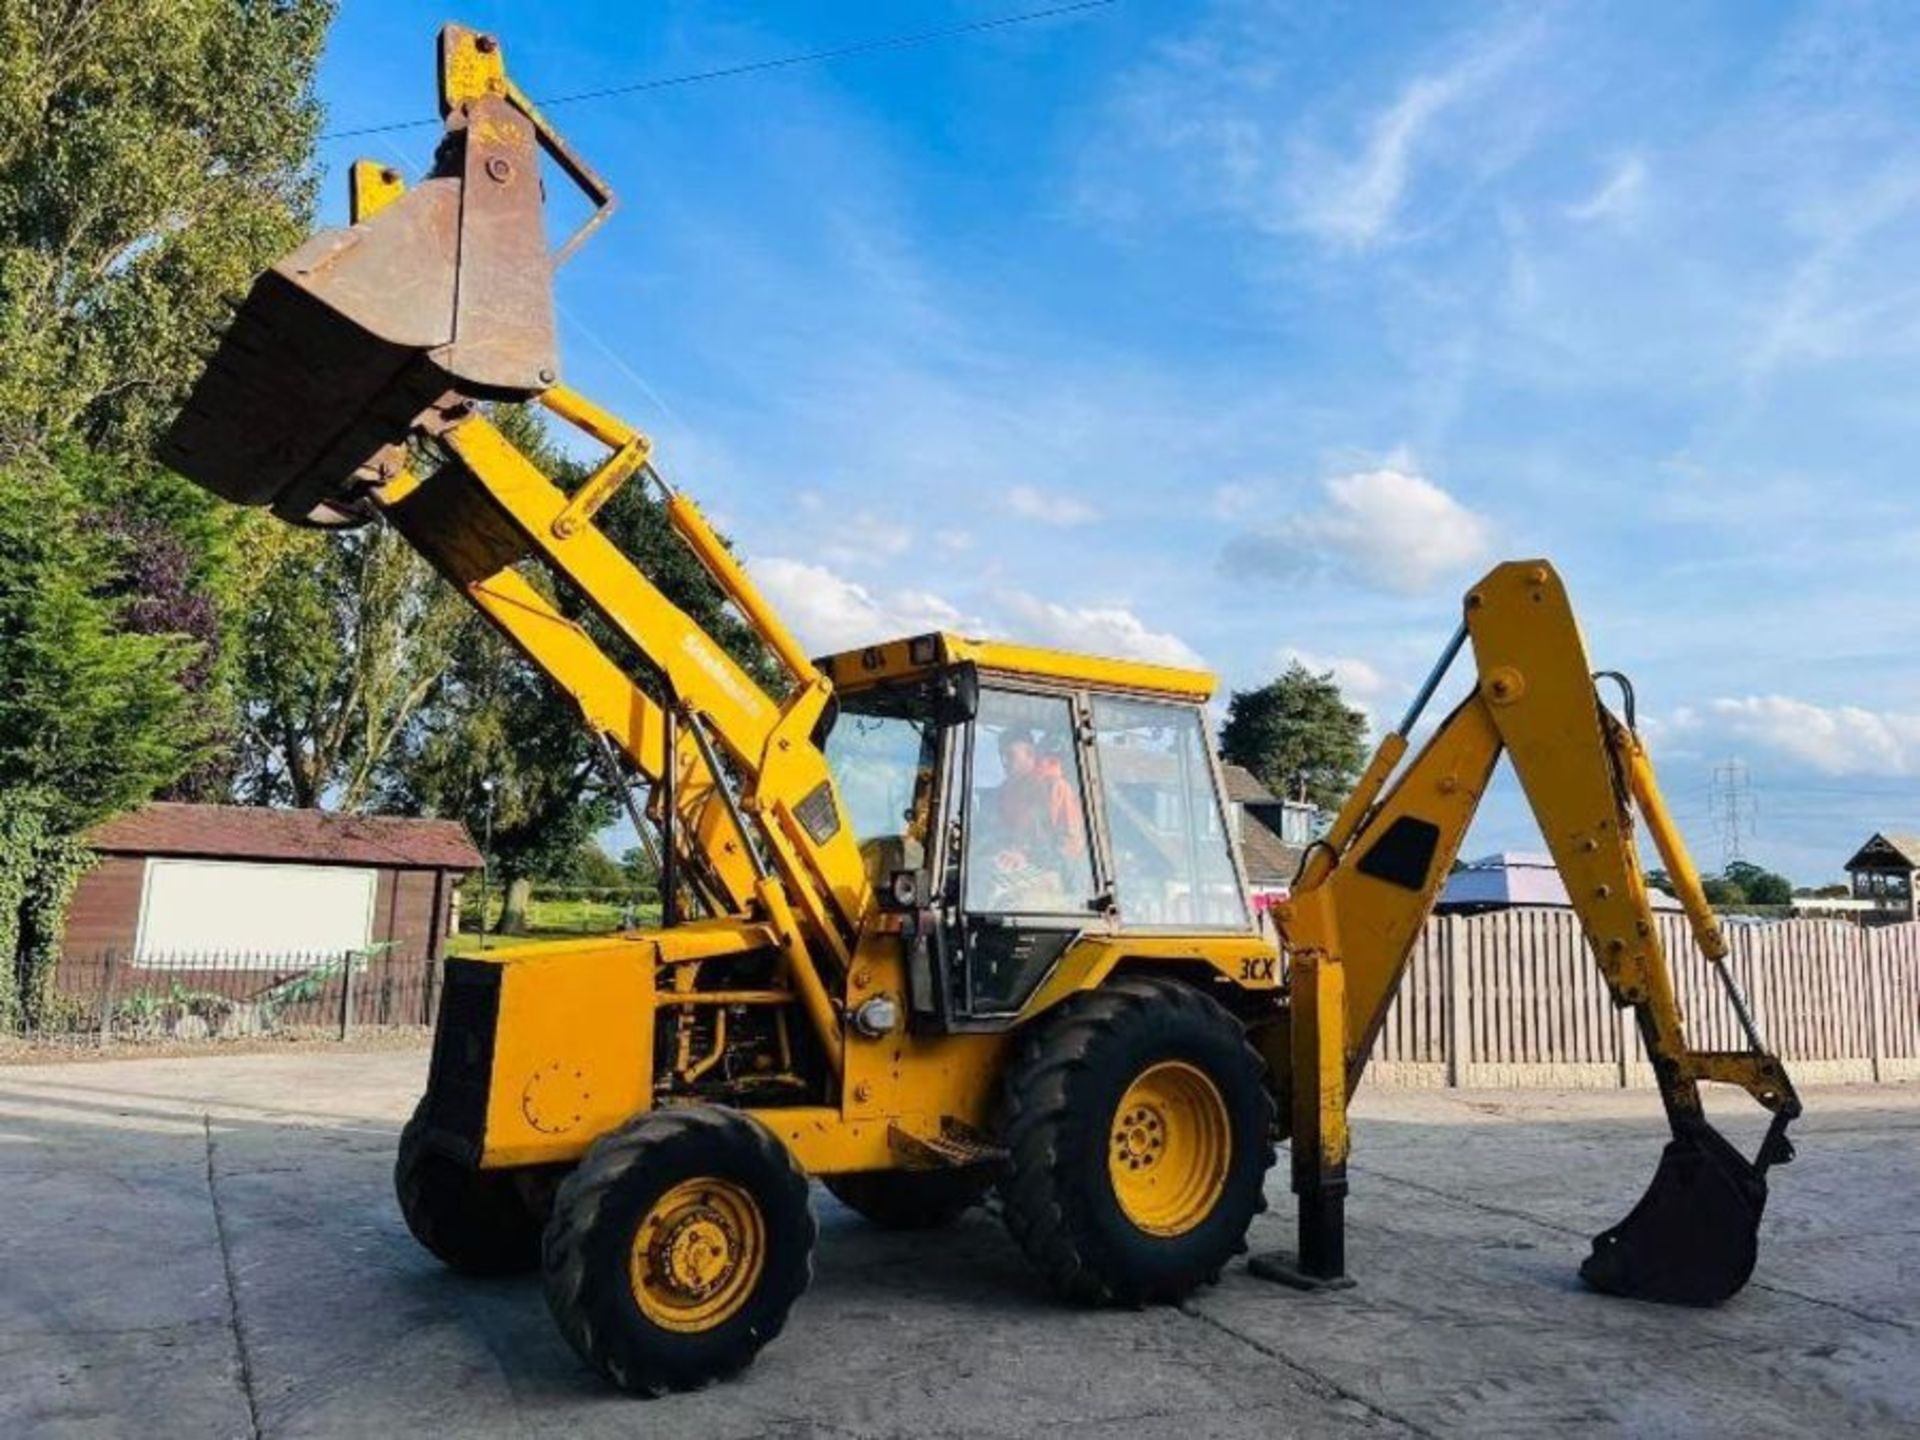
{"x": 676, "y": 1249}
{"x": 1140, "y": 1131}
{"x": 479, "y": 1222}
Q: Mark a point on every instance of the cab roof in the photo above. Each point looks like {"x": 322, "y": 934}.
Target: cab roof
{"x": 921, "y": 654}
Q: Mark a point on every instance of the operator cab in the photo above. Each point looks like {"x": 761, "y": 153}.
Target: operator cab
{"x": 1010, "y": 800}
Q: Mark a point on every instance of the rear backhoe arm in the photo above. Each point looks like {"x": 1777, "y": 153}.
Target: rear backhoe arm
{"x": 1367, "y": 888}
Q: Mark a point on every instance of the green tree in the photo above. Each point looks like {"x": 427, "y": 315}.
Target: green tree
{"x": 1719, "y": 890}
{"x": 1741, "y": 883}
{"x": 1298, "y": 735}
{"x": 636, "y": 865}
{"x": 155, "y": 155}
{"x": 344, "y": 639}
{"x": 94, "y": 716}
{"x": 39, "y": 868}
{"x": 589, "y": 868}
{"x": 1760, "y": 885}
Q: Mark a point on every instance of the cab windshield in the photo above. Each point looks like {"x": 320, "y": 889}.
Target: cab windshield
{"x": 882, "y": 751}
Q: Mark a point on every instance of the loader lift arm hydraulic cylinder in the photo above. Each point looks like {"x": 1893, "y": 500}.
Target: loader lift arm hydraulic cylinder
{"x": 1365, "y": 891}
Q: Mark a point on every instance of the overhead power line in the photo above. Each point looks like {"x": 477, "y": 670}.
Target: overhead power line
{"x": 781, "y": 62}
{"x": 1732, "y": 805}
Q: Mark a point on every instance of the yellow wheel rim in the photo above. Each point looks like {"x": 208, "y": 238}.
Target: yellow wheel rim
{"x": 698, "y": 1255}
{"x": 1170, "y": 1148}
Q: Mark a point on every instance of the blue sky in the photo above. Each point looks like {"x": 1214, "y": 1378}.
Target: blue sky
{"x": 1233, "y": 332}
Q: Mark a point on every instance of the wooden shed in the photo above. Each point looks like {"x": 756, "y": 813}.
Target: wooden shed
{"x": 177, "y": 882}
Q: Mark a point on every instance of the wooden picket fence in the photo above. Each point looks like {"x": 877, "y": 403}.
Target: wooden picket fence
{"x": 1514, "y": 998}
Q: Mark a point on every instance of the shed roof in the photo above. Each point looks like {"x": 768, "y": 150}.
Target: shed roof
{"x": 1519, "y": 877}
{"x": 306, "y": 837}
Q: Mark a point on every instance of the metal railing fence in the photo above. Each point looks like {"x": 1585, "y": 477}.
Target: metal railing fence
{"x": 113, "y": 997}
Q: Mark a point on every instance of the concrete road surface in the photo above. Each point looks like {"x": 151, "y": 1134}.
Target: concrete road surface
{"x": 209, "y": 1247}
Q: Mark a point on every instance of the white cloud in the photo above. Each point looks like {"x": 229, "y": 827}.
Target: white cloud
{"x": 1355, "y": 203}
{"x": 1048, "y": 509}
{"x": 865, "y": 536}
{"x": 830, "y": 612}
{"x": 1095, "y": 629}
{"x": 1833, "y": 739}
{"x": 1388, "y": 528}
{"x": 1359, "y": 681}
{"x": 1618, "y": 196}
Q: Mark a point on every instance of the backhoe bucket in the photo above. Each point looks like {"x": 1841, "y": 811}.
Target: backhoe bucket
{"x": 444, "y": 290}
{"x": 1693, "y": 1237}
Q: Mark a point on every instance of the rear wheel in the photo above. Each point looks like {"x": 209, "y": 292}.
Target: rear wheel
{"x": 677, "y": 1247}
{"x": 478, "y": 1222}
{"x": 1139, "y": 1127}
{"x": 911, "y": 1199}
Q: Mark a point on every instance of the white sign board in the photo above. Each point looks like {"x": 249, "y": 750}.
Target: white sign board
{"x": 191, "y": 910}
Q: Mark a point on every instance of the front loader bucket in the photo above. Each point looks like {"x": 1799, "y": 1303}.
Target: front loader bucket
{"x": 443, "y": 291}
{"x": 327, "y": 361}
{"x": 1693, "y": 1237}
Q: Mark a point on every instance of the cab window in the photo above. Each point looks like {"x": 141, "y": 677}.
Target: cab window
{"x": 1026, "y": 830}
{"x": 882, "y": 751}
{"x": 1172, "y": 858}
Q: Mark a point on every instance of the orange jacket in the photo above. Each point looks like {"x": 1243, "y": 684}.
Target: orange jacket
{"x": 1040, "y": 811}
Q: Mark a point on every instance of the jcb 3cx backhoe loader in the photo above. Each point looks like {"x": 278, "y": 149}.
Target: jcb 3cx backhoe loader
{"x": 944, "y": 914}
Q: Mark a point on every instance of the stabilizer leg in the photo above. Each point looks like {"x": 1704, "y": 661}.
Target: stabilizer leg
{"x": 1319, "y": 1023}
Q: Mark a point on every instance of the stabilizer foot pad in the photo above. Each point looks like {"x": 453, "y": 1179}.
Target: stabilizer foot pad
{"x": 1283, "y": 1268}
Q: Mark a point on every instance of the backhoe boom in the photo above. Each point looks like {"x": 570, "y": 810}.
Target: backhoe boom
{"x": 1367, "y": 889}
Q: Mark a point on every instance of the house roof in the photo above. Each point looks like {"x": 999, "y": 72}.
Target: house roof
{"x": 1886, "y": 845}
{"x": 1519, "y": 877}
{"x": 309, "y": 837}
{"x": 1270, "y": 860}
{"x": 1244, "y": 787}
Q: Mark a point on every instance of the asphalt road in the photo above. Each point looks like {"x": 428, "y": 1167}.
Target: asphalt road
{"x": 209, "y": 1247}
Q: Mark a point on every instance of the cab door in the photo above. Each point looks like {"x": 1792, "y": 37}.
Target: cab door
{"x": 1019, "y": 876}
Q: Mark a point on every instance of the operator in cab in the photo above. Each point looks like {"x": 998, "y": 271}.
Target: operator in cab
{"x": 1038, "y": 834}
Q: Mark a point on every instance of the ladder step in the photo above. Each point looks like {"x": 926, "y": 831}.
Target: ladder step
{"x": 955, "y": 1146}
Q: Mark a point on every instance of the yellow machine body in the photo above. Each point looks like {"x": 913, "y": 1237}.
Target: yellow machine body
{"x": 859, "y": 977}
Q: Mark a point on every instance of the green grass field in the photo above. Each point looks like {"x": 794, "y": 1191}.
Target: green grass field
{"x": 553, "y": 918}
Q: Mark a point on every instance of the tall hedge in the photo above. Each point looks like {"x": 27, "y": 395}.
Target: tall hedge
{"x": 39, "y": 868}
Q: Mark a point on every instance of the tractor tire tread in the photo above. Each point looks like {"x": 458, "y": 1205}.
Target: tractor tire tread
{"x": 587, "y": 1192}
{"x": 1038, "y": 1204}
{"x": 474, "y": 1222}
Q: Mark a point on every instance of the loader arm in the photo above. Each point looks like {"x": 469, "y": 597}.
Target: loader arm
{"x": 349, "y": 388}
{"x": 1366, "y": 890}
